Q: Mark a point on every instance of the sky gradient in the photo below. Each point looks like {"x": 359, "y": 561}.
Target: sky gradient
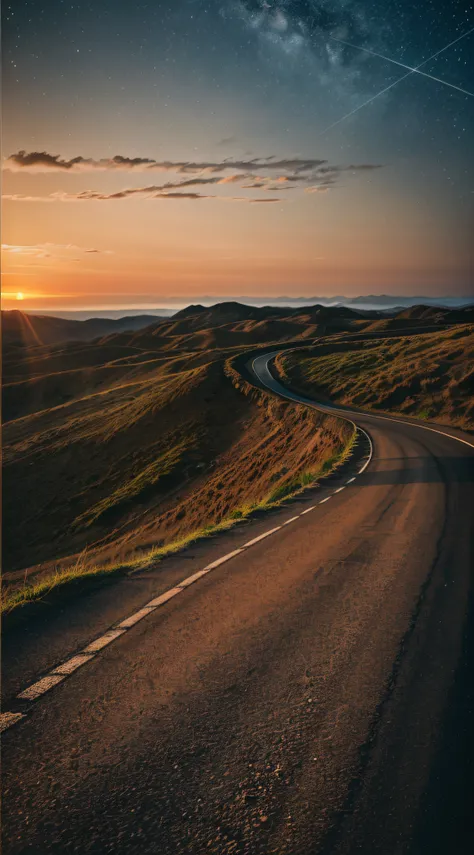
{"x": 157, "y": 150}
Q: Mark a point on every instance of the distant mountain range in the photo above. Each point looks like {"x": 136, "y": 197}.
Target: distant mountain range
{"x": 25, "y": 330}
{"x": 224, "y": 324}
{"x": 21, "y": 329}
{"x": 376, "y": 301}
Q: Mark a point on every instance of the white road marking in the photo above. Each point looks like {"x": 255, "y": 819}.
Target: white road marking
{"x": 192, "y": 579}
{"x": 133, "y": 619}
{"x": 261, "y": 536}
{"x": 350, "y": 480}
{"x": 292, "y": 519}
{"x": 224, "y": 558}
{"x": 325, "y": 500}
{"x": 103, "y": 641}
{"x": 73, "y": 664}
{"x": 41, "y": 686}
{"x": 163, "y": 598}
{"x": 9, "y": 718}
{"x": 308, "y": 510}
{"x": 338, "y": 490}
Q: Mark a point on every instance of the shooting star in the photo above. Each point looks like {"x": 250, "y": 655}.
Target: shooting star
{"x": 402, "y": 65}
{"x": 396, "y": 82}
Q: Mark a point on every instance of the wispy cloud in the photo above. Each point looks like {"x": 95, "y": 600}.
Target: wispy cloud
{"x": 49, "y": 250}
{"x": 135, "y": 192}
{"x": 42, "y": 161}
{"x": 266, "y": 174}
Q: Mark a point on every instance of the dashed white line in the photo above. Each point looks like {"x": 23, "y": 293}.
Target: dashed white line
{"x": 73, "y": 664}
{"x": 292, "y": 519}
{"x": 261, "y": 536}
{"x": 163, "y": 598}
{"x": 225, "y": 558}
{"x": 192, "y": 579}
{"x": 41, "y": 686}
{"x": 103, "y": 641}
{"x": 325, "y": 500}
{"x": 9, "y": 718}
{"x": 308, "y": 510}
{"x": 133, "y": 619}
{"x": 339, "y": 490}
{"x": 350, "y": 480}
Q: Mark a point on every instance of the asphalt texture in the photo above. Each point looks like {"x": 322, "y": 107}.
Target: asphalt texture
{"x": 313, "y": 695}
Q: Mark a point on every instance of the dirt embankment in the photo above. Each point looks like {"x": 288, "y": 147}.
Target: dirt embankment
{"x": 427, "y": 376}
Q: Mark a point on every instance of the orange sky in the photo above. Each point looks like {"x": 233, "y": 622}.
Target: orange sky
{"x": 139, "y": 148}
{"x": 145, "y": 251}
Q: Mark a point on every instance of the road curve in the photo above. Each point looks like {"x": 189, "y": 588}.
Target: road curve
{"x": 313, "y": 695}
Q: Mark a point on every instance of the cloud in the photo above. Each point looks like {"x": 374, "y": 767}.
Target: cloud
{"x": 193, "y": 182}
{"x": 360, "y": 167}
{"x": 182, "y": 196}
{"x": 20, "y": 197}
{"x": 44, "y": 162}
{"x": 49, "y": 250}
{"x": 145, "y": 192}
{"x": 266, "y": 174}
{"x": 233, "y": 179}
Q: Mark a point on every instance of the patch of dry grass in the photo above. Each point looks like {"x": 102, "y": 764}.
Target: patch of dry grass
{"x": 84, "y": 571}
{"x": 428, "y": 376}
{"x": 143, "y": 458}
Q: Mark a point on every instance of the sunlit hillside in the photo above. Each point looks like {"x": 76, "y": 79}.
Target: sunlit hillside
{"x": 430, "y": 376}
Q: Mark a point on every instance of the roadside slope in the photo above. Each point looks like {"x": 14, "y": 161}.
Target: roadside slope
{"x": 428, "y": 376}
{"x": 146, "y": 451}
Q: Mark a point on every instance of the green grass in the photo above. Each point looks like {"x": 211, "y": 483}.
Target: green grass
{"x": 66, "y": 581}
{"x": 82, "y": 570}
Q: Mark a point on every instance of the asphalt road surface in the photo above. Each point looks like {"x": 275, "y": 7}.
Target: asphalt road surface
{"x": 312, "y": 695}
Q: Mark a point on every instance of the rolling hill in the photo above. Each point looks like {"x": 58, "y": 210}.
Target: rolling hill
{"x": 120, "y": 450}
{"x": 429, "y": 376}
{"x": 132, "y": 441}
{"x": 23, "y": 330}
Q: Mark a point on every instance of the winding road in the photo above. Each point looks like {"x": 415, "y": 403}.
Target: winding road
{"x": 311, "y": 695}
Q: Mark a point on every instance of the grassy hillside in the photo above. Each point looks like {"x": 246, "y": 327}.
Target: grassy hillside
{"x": 428, "y": 376}
{"x": 127, "y": 454}
{"x": 135, "y": 441}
